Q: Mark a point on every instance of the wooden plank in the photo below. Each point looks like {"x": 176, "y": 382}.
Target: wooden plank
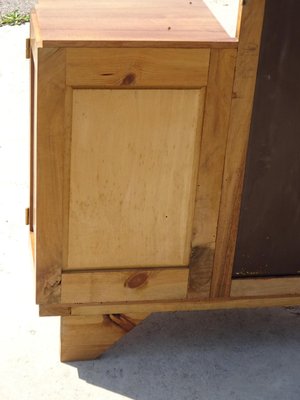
{"x": 87, "y": 337}
{"x": 124, "y": 285}
{"x": 49, "y": 176}
{"x": 241, "y": 109}
{"x": 269, "y": 229}
{"x": 33, "y": 92}
{"x": 132, "y": 203}
{"x": 171, "y": 23}
{"x": 265, "y": 287}
{"x": 164, "y": 306}
{"x": 211, "y": 166}
{"x": 123, "y": 68}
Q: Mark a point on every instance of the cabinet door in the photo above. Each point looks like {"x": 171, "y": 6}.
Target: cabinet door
{"x": 118, "y": 143}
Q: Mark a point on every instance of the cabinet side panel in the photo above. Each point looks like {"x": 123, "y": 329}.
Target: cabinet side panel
{"x": 133, "y": 170}
{"x": 49, "y": 179}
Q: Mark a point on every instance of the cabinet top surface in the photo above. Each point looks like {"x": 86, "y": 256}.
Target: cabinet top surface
{"x": 127, "y": 23}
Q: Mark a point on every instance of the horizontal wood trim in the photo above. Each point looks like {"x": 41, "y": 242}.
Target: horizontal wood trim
{"x": 124, "y": 285}
{"x": 160, "y": 306}
{"x": 124, "y": 68}
{"x": 265, "y": 287}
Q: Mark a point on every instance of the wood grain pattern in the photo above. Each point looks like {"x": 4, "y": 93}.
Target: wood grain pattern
{"x": 265, "y": 287}
{"x": 124, "y": 285}
{"x": 126, "y": 68}
{"x": 130, "y": 23}
{"x": 166, "y": 306}
{"x": 87, "y": 337}
{"x": 211, "y": 166}
{"x": 240, "y": 117}
{"x": 132, "y": 203}
{"x": 49, "y": 173}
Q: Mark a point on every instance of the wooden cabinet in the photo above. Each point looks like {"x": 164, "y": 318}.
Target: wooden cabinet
{"x": 140, "y": 115}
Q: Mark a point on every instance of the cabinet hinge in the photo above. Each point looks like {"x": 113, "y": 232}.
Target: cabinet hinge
{"x": 27, "y": 213}
{"x": 27, "y": 48}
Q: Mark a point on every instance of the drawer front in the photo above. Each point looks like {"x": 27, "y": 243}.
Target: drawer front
{"x": 138, "y": 68}
{"x": 124, "y": 285}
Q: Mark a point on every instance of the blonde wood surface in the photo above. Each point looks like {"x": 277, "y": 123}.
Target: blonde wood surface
{"x": 49, "y": 173}
{"x": 265, "y": 287}
{"x": 211, "y": 166}
{"x": 134, "y": 157}
{"x": 240, "y": 117}
{"x": 87, "y": 337}
{"x": 165, "y": 306}
{"x": 148, "y": 68}
{"x": 129, "y": 23}
{"x": 35, "y": 39}
{"x": 124, "y": 285}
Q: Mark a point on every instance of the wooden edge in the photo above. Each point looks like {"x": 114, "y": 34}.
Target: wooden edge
{"x": 229, "y": 44}
{"x": 28, "y": 51}
{"x": 50, "y": 134}
{"x": 239, "y": 17}
{"x": 165, "y": 306}
{"x": 253, "y": 287}
{"x": 32, "y": 244}
{"x": 239, "y": 127}
{"x": 210, "y": 170}
{"x": 35, "y": 35}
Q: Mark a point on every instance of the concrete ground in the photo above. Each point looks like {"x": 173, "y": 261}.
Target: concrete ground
{"x": 224, "y": 355}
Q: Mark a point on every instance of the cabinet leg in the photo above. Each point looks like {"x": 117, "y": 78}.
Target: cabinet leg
{"x": 87, "y": 337}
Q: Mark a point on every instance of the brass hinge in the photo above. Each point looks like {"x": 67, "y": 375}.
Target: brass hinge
{"x": 27, "y": 213}
{"x": 27, "y": 48}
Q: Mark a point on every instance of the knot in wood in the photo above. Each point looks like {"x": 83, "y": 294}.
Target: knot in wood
{"x": 137, "y": 280}
{"x": 129, "y": 79}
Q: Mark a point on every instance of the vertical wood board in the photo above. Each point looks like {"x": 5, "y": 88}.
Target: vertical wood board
{"x": 211, "y": 166}
{"x": 49, "y": 173}
{"x": 239, "y": 125}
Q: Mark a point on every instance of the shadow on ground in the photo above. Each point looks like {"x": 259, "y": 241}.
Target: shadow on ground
{"x": 234, "y": 354}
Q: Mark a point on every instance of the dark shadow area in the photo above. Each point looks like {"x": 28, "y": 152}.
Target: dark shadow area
{"x": 209, "y": 355}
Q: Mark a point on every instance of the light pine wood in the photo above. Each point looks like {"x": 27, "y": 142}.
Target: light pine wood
{"x": 134, "y": 157}
{"x": 49, "y": 142}
{"x": 166, "y": 306}
{"x": 129, "y": 23}
{"x": 255, "y": 287}
{"x": 240, "y": 117}
{"x": 143, "y": 68}
{"x": 87, "y": 337}
{"x": 210, "y": 173}
{"x": 35, "y": 38}
{"x": 124, "y": 285}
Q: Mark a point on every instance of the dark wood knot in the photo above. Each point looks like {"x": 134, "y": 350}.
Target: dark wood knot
{"x": 129, "y": 79}
{"x": 136, "y": 280}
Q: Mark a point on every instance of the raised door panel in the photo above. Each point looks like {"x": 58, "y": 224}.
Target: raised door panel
{"x": 133, "y": 167}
